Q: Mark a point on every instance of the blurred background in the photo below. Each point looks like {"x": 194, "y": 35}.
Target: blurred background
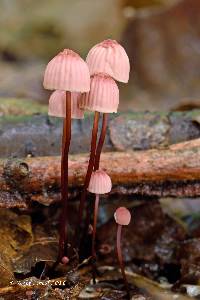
{"x": 162, "y": 39}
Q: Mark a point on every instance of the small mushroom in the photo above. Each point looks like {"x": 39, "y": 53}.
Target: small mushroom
{"x": 100, "y": 183}
{"x": 65, "y": 260}
{"x": 122, "y": 218}
{"x": 57, "y": 105}
{"x": 105, "y": 60}
{"x": 109, "y": 57}
{"x": 102, "y": 98}
{"x": 66, "y": 72}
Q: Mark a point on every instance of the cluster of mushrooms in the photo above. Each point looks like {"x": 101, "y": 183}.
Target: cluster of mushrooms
{"x": 91, "y": 86}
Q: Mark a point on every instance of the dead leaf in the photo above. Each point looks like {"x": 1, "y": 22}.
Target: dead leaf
{"x": 44, "y": 250}
{"x": 15, "y": 236}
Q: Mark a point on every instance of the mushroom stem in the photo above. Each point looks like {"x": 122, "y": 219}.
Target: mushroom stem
{"x": 96, "y": 208}
{"x": 89, "y": 170}
{"x": 64, "y": 178}
{"x": 98, "y": 156}
{"x": 120, "y": 258}
{"x": 101, "y": 141}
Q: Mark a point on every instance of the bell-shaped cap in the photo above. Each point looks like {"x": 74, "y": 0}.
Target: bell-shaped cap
{"x": 100, "y": 183}
{"x": 122, "y": 216}
{"x": 57, "y": 105}
{"x": 67, "y": 71}
{"x": 103, "y": 96}
{"x": 109, "y": 57}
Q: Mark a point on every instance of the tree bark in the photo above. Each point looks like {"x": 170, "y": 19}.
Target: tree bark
{"x": 174, "y": 171}
{"x": 39, "y": 135}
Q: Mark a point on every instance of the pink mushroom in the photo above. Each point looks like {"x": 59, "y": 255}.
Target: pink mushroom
{"x": 67, "y": 72}
{"x": 109, "y": 57}
{"x": 57, "y": 105}
{"x": 100, "y": 183}
{"x": 65, "y": 260}
{"x": 122, "y": 217}
{"x": 103, "y": 97}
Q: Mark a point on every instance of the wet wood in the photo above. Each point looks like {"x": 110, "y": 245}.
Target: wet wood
{"x": 40, "y": 135}
{"x": 172, "y": 171}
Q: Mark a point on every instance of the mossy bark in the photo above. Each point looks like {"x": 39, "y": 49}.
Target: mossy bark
{"x": 39, "y": 135}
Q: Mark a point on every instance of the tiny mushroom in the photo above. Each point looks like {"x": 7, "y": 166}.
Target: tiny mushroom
{"x": 122, "y": 217}
{"x": 57, "y": 105}
{"x": 105, "y": 60}
{"x": 100, "y": 183}
{"x": 66, "y": 72}
{"x": 65, "y": 260}
{"x": 109, "y": 57}
{"x": 103, "y": 97}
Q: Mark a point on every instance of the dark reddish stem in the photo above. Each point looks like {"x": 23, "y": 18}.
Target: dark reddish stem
{"x": 98, "y": 156}
{"x": 101, "y": 141}
{"x": 96, "y": 208}
{"x": 89, "y": 170}
{"x": 120, "y": 259}
{"x": 64, "y": 179}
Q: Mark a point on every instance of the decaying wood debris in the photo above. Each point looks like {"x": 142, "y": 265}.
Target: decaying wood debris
{"x": 39, "y": 135}
{"x": 172, "y": 171}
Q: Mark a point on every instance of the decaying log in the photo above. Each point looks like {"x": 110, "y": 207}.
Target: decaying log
{"x": 39, "y": 135}
{"x": 173, "y": 171}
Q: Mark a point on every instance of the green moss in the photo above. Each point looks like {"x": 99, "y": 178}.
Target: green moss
{"x": 15, "y": 119}
{"x": 16, "y": 107}
{"x": 138, "y": 115}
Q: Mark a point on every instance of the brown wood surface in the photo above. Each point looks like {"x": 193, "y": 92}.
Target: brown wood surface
{"x": 172, "y": 171}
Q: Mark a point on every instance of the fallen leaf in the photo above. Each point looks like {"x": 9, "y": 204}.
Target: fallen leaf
{"x": 15, "y": 237}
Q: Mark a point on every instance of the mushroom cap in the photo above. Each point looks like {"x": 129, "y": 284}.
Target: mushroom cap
{"x": 57, "y": 105}
{"x": 122, "y": 216}
{"x": 65, "y": 260}
{"x": 103, "y": 96}
{"x": 100, "y": 183}
{"x": 109, "y": 57}
{"x": 67, "y": 71}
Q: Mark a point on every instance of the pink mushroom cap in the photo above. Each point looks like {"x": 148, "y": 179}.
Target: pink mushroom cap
{"x": 57, "y": 105}
{"x": 109, "y": 57}
{"x": 65, "y": 260}
{"x": 122, "y": 216}
{"x": 67, "y": 71}
{"x": 103, "y": 96}
{"x": 100, "y": 183}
